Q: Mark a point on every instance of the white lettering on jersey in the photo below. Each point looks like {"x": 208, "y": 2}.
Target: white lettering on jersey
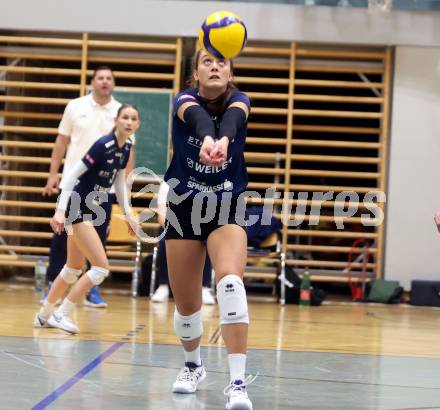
{"x": 207, "y": 169}
{"x": 207, "y": 188}
{"x": 195, "y": 142}
{"x": 109, "y": 144}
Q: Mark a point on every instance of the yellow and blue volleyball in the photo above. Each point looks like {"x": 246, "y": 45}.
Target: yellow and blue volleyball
{"x": 223, "y": 35}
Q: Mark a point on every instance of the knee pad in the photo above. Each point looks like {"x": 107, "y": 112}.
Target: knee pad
{"x": 97, "y": 274}
{"x": 188, "y": 327}
{"x": 70, "y": 275}
{"x": 232, "y": 302}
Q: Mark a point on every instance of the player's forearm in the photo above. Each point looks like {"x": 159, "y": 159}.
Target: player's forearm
{"x": 233, "y": 119}
{"x": 122, "y": 193}
{"x": 69, "y": 182}
{"x": 130, "y": 162}
{"x": 200, "y": 121}
{"x": 162, "y": 202}
{"x": 58, "y": 152}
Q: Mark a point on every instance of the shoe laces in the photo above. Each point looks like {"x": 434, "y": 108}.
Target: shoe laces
{"x": 187, "y": 374}
{"x": 232, "y": 388}
{"x": 63, "y": 316}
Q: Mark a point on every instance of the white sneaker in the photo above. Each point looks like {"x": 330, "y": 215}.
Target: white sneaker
{"x": 40, "y": 322}
{"x": 207, "y": 297}
{"x": 63, "y": 322}
{"x": 237, "y": 396}
{"x": 161, "y": 295}
{"x": 188, "y": 378}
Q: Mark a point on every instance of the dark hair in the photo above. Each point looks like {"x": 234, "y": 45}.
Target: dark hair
{"x": 216, "y": 106}
{"x": 123, "y": 107}
{"x": 195, "y": 62}
{"x": 101, "y": 68}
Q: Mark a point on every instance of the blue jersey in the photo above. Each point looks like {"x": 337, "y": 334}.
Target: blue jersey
{"x": 103, "y": 160}
{"x": 194, "y": 176}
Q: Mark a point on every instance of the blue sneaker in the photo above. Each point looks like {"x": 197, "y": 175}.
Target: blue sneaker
{"x": 94, "y": 299}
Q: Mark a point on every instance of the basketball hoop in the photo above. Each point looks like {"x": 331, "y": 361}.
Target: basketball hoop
{"x": 380, "y": 6}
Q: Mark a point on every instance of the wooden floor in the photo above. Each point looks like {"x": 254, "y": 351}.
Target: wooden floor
{"x": 340, "y": 356}
{"x": 333, "y": 327}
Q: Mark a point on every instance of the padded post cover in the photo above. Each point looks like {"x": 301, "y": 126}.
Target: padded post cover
{"x": 425, "y": 293}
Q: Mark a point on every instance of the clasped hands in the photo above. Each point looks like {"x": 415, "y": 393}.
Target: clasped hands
{"x": 214, "y": 152}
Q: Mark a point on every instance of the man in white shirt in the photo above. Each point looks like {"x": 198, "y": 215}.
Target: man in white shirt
{"x": 85, "y": 120}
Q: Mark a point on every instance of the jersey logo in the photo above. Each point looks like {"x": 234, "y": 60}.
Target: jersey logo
{"x": 109, "y": 144}
{"x": 90, "y": 159}
{"x": 186, "y": 96}
{"x": 207, "y": 169}
{"x": 195, "y": 142}
{"x": 110, "y": 161}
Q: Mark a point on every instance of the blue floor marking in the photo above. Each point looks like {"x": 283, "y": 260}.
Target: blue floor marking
{"x": 77, "y": 377}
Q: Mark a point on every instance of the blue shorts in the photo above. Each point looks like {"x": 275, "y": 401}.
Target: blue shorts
{"x": 190, "y": 215}
{"x": 83, "y": 213}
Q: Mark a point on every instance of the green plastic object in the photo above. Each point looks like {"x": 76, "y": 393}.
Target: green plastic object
{"x": 304, "y": 293}
{"x": 381, "y": 290}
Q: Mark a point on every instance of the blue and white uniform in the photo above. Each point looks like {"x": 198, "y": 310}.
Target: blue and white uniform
{"x": 194, "y": 176}
{"x": 91, "y": 179}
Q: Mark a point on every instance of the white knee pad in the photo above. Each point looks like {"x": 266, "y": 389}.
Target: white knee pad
{"x": 70, "y": 275}
{"x": 97, "y": 274}
{"x": 188, "y": 327}
{"x": 232, "y": 302}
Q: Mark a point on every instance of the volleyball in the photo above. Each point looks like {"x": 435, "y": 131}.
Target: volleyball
{"x": 223, "y": 34}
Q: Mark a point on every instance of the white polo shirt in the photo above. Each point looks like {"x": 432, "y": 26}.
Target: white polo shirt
{"x": 85, "y": 121}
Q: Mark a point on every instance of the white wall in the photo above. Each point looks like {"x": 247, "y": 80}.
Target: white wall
{"x": 412, "y": 245}
{"x": 264, "y": 21}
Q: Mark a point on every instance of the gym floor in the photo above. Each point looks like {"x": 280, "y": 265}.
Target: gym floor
{"x": 340, "y": 356}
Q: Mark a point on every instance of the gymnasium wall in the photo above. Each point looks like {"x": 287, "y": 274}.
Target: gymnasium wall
{"x": 265, "y": 21}
{"x": 412, "y": 245}
{"x": 413, "y": 188}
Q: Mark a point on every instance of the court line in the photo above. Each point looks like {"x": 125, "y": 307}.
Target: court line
{"x": 85, "y": 370}
{"x": 215, "y": 336}
{"x": 77, "y": 377}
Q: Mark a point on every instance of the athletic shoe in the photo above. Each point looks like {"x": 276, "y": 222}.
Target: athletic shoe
{"x": 207, "y": 297}
{"x": 40, "y": 322}
{"x": 161, "y": 295}
{"x": 188, "y": 378}
{"x": 94, "y": 299}
{"x": 61, "y": 321}
{"x": 237, "y": 396}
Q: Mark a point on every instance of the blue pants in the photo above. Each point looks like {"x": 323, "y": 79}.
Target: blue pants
{"x": 58, "y": 244}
